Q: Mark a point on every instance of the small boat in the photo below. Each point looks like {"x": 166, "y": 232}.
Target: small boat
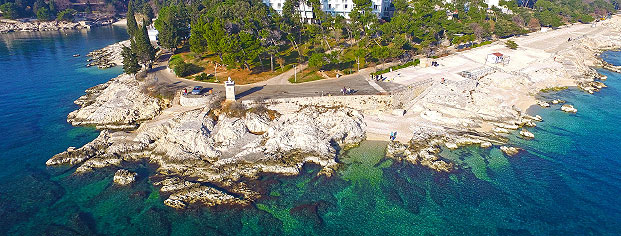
{"x": 76, "y": 55}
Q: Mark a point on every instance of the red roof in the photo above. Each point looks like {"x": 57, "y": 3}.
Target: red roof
{"x": 497, "y": 54}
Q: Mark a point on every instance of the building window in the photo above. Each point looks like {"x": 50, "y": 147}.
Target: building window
{"x": 329, "y": 6}
{"x": 279, "y": 5}
{"x": 345, "y": 6}
{"x": 336, "y": 6}
{"x": 374, "y": 7}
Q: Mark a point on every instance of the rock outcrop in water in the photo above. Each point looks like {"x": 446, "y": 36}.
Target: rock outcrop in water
{"x": 207, "y": 154}
{"x": 118, "y": 104}
{"x": 124, "y": 177}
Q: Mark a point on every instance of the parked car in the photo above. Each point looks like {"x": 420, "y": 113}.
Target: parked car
{"x": 197, "y": 90}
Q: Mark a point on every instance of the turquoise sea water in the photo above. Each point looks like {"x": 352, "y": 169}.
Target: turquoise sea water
{"x": 567, "y": 182}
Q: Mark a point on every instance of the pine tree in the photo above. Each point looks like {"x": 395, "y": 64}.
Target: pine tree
{"x": 148, "y": 13}
{"x": 142, "y": 45}
{"x": 52, "y": 7}
{"x": 130, "y": 62}
{"x": 88, "y": 8}
{"x": 132, "y": 25}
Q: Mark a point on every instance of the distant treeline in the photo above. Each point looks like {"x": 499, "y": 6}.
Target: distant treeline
{"x": 58, "y": 9}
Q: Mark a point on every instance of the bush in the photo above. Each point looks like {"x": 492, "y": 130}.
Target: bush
{"x": 511, "y": 44}
{"x": 186, "y": 69}
{"x": 233, "y": 109}
{"x": 66, "y": 15}
{"x": 9, "y": 10}
{"x": 203, "y": 77}
{"x": 175, "y": 60}
{"x": 44, "y": 14}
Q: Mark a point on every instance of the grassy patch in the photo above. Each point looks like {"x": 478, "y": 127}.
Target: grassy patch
{"x": 306, "y": 77}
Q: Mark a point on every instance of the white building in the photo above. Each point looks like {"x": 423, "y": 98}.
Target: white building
{"x": 490, "y": 3}
{"x": 382, "y": 8}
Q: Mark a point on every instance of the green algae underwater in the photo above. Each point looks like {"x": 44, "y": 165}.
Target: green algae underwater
{"x": 566, "y": 181}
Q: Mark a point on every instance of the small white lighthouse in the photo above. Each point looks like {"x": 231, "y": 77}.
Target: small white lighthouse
{"x": 230, "y": 90}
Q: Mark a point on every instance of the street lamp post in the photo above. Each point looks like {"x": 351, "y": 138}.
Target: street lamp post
{"x": 215, "y": 71}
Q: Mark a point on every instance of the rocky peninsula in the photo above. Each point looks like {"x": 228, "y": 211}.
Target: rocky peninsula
{"x": 210, "y": 152}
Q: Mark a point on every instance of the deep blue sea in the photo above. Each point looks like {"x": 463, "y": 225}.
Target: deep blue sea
{"x": 566, "y": 182}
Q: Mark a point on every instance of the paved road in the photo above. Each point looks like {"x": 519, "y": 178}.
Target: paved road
{"x": 276, "y": 87}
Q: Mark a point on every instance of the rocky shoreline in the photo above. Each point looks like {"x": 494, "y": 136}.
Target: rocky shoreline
{"x": 206, "y": 154}
{"x": 108, "y": 56}
{"x": 209, "y": 152}
{"x": 14, "y": 26}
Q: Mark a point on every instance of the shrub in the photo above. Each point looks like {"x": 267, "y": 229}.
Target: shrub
{"x": 175, "y": 60}
{"x": 233, "y": 109}
{"x": 186, "y": 69}
{"x": 66, "y": 15}
{"x": 202, "y": 77}
{"x": 9, "y": 10}
{"x": 44, "y": 14}
{"x": 511, "y": 44}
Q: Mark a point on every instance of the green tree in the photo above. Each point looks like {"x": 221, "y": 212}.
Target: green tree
{"x": 132, "y": 25}
{"x": 142, "y": 46}
{"x": 362, "y": 17}
{"x": 9, "y": 10}
{"x": 198, "y": 43}
{"x": 52, "y": 8}
{"x": 172, "y": 24}
{"x": 215, "y": 37}
{"x": 130, "y": 61}
{"x": 38, "y": 4}
{"x": 43, "y": 14}
{"x": 148, "y": 13}
{"x": 89, "y": 8}
{"x": 66, "y": 15}
{"x": 250, "y": 49}
{"x": 317, "y": 60}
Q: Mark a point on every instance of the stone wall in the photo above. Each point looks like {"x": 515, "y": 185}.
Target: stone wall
{"x": 194, "y": 100}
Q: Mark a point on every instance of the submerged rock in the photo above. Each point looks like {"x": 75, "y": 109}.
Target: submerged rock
{"x": 510, "y": 151}
{"x": 526, "y": 134}
{"x": 568, "y": 108}
{"x": 486, "y": 144}
{"x": 543, "y": 104}
{"x": 124, "y": 177}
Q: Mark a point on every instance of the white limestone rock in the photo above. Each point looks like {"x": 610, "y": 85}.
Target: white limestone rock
{"x": 314, "y": 130}
{"x": 510, "y": 151}
{"x": 124, "y": 177}
{"x": 526, "y": 134}
{"x": 120, "y": 104}
{"x": 568, "y": 108}
{"x": 257, "y": 124}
